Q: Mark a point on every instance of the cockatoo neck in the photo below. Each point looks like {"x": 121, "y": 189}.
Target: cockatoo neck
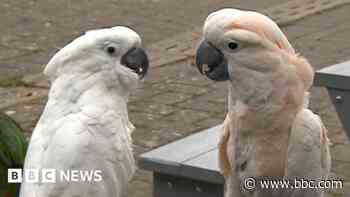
{"x": 266, "y": 88}
{"x": 71, "y": 93}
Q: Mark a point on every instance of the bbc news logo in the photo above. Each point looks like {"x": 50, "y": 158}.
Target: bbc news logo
{"x": 52, "y": 175}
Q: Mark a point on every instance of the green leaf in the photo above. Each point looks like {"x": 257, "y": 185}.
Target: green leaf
{"x": 13, "y": 145}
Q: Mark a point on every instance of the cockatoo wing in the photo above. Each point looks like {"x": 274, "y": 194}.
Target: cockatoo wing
{"x": 226, "y": 153}
{"x": 308, "y": 154}
{"x": 224, "y": 162}
{"x": 83, "y": 141}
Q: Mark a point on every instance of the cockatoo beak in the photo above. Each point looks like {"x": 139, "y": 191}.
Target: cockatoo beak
{"x": 212, "y": 62}
{"x": 136, "y": 59}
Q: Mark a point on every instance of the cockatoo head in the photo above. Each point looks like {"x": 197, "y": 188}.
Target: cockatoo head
{"x": 115, "y": 52}
{"x": 245, "y": 41}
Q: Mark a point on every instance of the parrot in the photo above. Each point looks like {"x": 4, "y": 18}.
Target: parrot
{"x": 85, "y": 126}
{"x": 13, "y": 147}
{"x": 269, "y": 132}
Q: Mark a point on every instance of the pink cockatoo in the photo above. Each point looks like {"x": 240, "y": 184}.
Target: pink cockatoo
{"x": 269, "y": 132}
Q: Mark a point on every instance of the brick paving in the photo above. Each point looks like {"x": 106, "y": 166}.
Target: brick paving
{"x": 33, "y": 30}
{"x": 176, "y": 101}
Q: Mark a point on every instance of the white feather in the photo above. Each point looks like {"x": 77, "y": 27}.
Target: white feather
{"x": 85, "y": 124}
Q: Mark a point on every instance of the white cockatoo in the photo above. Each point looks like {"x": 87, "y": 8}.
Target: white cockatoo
{"x": 269, "y": 132}
{"x": 85, "y": 125}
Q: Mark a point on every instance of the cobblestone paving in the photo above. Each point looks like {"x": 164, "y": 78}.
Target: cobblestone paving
{"x": 33, "y": 30}
{"x": 175, "y": 101}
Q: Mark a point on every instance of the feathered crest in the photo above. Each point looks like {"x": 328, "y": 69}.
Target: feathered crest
{"x": 269, "y": 30}
{"x": 264, "y": 27}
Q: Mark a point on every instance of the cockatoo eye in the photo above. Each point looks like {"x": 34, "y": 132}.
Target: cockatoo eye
{"x": 111, "y": 50}
{"x": 232, "y": 45}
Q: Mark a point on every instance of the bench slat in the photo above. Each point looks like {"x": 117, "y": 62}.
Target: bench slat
{"x": 192, "y": 157}
{"x": 336, "y": 76}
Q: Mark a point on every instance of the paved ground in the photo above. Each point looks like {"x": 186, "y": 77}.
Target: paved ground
{"x": 33, "y": 30}
{"x": 175, "y": 100}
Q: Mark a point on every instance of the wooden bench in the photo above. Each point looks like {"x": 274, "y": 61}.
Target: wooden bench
{"x": 336, "y": 79}
{"x": 186, "y": 168}
{"x": 189, "y": 167}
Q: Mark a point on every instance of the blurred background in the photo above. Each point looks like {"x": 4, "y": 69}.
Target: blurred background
{"x": 33, "y": 30}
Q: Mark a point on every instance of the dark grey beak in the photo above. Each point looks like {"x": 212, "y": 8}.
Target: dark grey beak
{"x": 136, "y": 59}
{"x": 212, "y": 62}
